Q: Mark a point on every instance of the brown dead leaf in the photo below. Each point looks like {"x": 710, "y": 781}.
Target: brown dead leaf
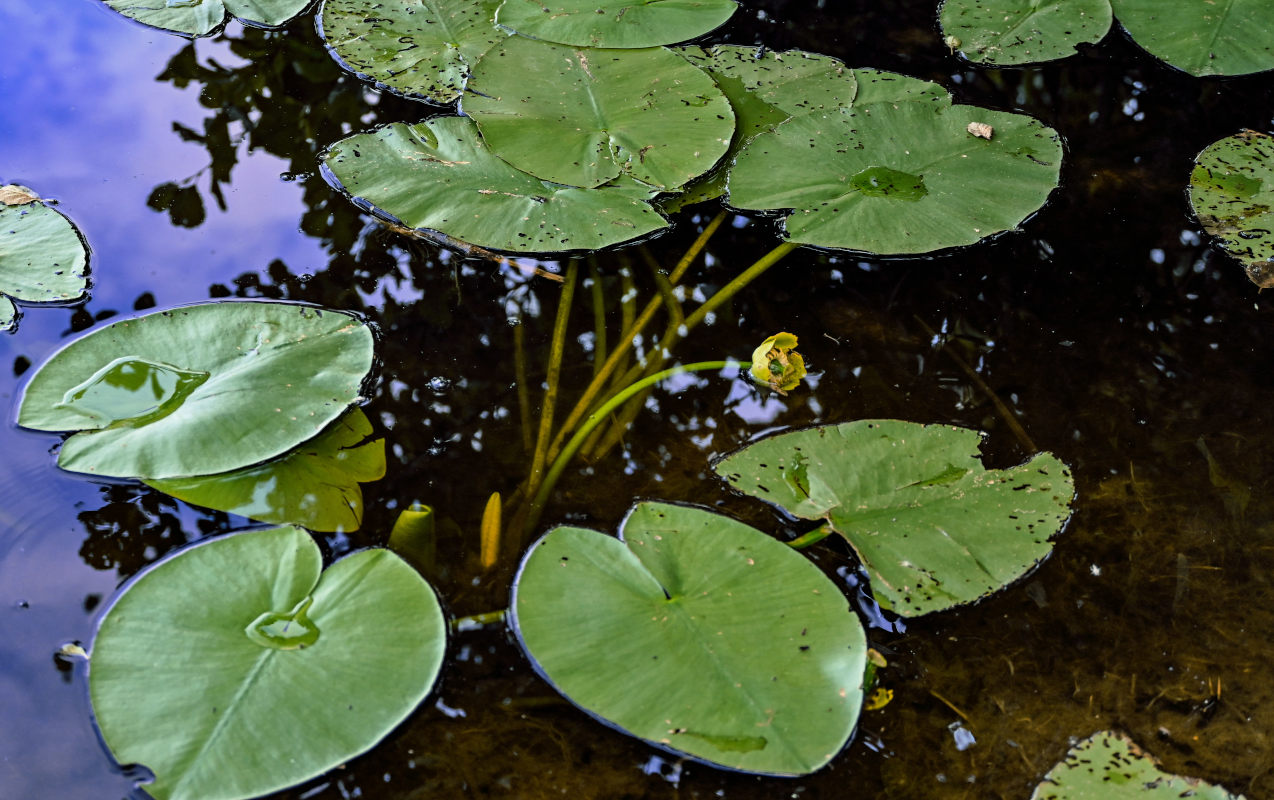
{"x": 981, "y": 130}
{"x": 15, "y": 195}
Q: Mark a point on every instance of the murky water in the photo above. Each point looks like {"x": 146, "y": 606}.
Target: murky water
{"x": 1116, "y": 335}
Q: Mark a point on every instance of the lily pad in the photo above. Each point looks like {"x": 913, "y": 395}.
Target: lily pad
{"x": 202, "y": 17}
{"x": 43, "y": 258}
{"x": 614, "y": 23}
{"x": 422, "y": 49}
{"x": 696, "y": 633}
{"x": 1217, "y": 37}
{"x": 315, "y": 485}
{"x": 1232, "y": 193}
{"x": 1013, "y": 32}
{"x": 898, "y": 177}
{"x": 1109, "y": 766}
{"x": 933, "y": 527}
{"x": 439, "y": 176}
{"x": 198, "y": 390}
{"x": 766, "y": 88}
{"x": 583, "y": 117}
{"x": 235, "y": 669}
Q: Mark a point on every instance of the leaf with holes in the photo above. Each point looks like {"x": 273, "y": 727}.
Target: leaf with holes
{"x": 614, "y": 23}
{"x": 698, "y": 634}
{"x": 1109, "y": 766}
{"x": 1014, "y": 32}
{"x": 934, "y": 528}
{"x": 234, "y": 668}
{"x": 1231, "y": 198}
{"x": 422, "y": 49}
{"x": 198, "y": 390}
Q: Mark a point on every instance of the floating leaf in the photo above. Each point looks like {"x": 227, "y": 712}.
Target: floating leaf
{"x": 1207, "y": 37}
{"x": 585, "y": 117}
{"x": 1109, "y": 766}
{"x": 933, "y": 527}
{"x": 438, "y": 176}
{"x": 202, "y": 17}
{"x": 315, "y": 485}
{"x": 43, "y": 259}
{"x": 699, "y": 634}
{"x": 422, "y": 49}
{"x": 766, "y": 88}
{"x": 198, "y": 390}
{"x": 234, "y": 669}
{"x": 1232, "y": 193}
{"x": 614, "y": 23}
{"x": 898, "y": 178}
{"x": 1013, "y": 32}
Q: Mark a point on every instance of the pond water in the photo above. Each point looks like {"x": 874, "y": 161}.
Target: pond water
{"x": 1118, "y": 337}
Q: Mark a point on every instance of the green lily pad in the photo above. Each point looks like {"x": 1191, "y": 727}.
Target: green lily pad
{"x": 439, "y": 176}
{"x": 583, "y": 117}
{"x": 202, "y": 17}
{"x": 422, "y": 49}
{"x": 1232, "y": 193}
{"x": 766, "y": 88}
{"x": 1216, "y": 37}
{"x": 614, "y": 23}
{"x": 899, "y": 177}
{"x": 235, "y": 669}
{"x": 933, "y": 527}
{"x": 315, "y": 485}
{"x": 43, "y": 258}
{"x": 1013, "y": 32}
{"x": 1109, "y": 766}
{"x": 198, "y": 390}
{"x": 696, "y": 633}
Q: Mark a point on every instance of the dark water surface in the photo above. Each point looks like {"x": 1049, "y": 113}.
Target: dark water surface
{"x": 1122, "y": 341}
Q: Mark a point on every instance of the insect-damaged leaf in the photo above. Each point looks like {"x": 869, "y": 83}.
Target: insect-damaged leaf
{"x": 422, "y": 49}
{"x": 1012, "y": 32}
{"x": 43, "y": 258}
{"x": 1209, "y": 37}
{"x": 1109, "y": 766}
{"x": 696, "y": 633}
{"x": 1232, "y": 193}
{"x": 933, "y": 527}
{"x": 614, "y": 23}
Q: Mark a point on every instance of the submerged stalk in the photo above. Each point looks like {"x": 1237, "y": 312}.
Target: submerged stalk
{"x": 568, "y": 452}
{"x": 553, "y": 377}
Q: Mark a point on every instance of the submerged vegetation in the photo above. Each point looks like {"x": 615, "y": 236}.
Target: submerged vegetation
{"x": 741, "y": 650}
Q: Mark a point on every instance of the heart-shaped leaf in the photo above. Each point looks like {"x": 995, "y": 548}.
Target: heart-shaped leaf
{"x": 422, "y": 49}
{"x": 198, "y": 390}
{"x": 583, "y": 117}
{"x": 43, "y": 258}
{"x": 1232, "y": 193}
{"x": 698, "y": 634}
{"x": 315, "y": 485}
{"x": 933, "y": 527}
{"x": 1109, "y": 766}
{"x": 202, "y": 17}
{"x": 766, "y": 88}
{"x": 1208, "y": 37}
{"x": 899, "y": 178}
{"x": 614, "y": 23}
{"x": 1012, "y": 32}
{"x": 439, "y": 176}
{"x": 234, "y": 669}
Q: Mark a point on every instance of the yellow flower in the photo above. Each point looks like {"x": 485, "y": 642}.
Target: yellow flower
{"x": 776, "y": 363}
